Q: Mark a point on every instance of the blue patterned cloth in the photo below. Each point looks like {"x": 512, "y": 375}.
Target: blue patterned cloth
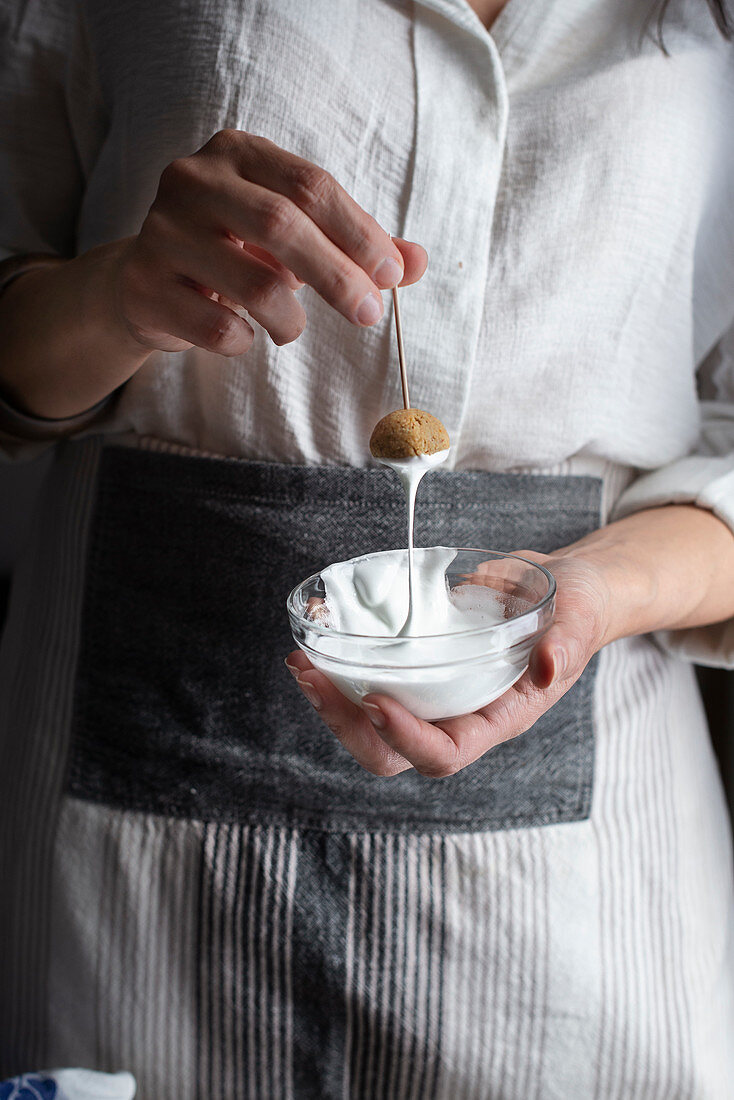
{"x": 31, "y": 1086}
{"x": 69, "y": 1084}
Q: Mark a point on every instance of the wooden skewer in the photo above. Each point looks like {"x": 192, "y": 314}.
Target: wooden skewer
{"x": 401, "y": 350}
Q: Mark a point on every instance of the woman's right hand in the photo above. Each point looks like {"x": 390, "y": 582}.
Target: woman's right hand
{"x": 242, "y": 222}
{"x": 239, "y": 223}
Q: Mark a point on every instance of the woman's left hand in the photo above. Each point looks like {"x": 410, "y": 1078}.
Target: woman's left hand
{"x": 385, "y": 738}
{"x": 658, "y": 569}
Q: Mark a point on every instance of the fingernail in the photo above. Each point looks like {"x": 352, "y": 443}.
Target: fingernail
{"x": 292, "y": 669}
{"x": 370, "y": 309}
{"x": 388, "y": 273}
{"x": 375, "y": 715}
{"x": 560, "y": 663}
{"x": 311, "y": 694}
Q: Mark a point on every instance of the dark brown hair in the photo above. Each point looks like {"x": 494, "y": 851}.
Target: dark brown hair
{"x": 718, "y": 8}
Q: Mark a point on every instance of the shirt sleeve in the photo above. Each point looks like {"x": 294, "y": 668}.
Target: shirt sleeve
{"x": 52, "y": 124}
{"x": 706, "y": 479}
{"x": 23, "y": 436}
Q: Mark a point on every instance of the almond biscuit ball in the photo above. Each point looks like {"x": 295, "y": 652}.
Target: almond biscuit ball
{"x": 408, "y": 432}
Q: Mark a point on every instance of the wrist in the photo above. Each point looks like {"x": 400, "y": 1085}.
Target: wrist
{"x": 65, "y": 347}
{"x": 664, "y": 568}
{"x": 625, "y": 588}
{"x": 100, "y": 274}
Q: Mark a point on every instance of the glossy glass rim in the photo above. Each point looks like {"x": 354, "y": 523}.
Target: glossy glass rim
{"x": 330, "y": 632}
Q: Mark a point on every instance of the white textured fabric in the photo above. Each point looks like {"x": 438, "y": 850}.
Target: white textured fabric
{"x": 85, "y": 1084}
{"x": 569, "y": 181}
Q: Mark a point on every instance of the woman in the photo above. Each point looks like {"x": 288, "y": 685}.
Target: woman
{"x": 203, "y": 888}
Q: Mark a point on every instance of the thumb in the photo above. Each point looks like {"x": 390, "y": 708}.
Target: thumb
{"x": 562, "y": 653}
{"x": 415, "y": 259}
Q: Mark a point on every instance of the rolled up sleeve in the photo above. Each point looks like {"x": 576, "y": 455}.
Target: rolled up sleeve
{"x": 705, "y": 479}
{"x": 52, "y": 123}
{"x": 24, "y": 437}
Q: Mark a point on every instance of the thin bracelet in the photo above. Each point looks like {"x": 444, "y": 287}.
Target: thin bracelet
{"x": 15, "y": 266}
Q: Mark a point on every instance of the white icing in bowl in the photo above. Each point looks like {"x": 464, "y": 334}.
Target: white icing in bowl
{"x": 480, "y": 613}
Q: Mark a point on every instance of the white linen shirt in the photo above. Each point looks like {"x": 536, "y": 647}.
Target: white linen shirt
{"x": 571, "y": 183}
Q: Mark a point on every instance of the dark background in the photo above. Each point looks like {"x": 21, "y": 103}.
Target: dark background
{"x": 19, "y": 486}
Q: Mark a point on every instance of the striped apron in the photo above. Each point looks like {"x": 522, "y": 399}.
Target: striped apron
{"x": 207, "y": 890}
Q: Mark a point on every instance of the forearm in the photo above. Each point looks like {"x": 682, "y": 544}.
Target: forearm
{"x": 65, "y": 347}
{"x": 661, "y": 569}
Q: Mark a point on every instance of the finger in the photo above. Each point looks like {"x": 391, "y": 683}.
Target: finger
{"x": 415, "y": 259}
{"x": 563, "y": 652}
{"x": 444, "y": 748}
{"x": 273, "y": 222}
{"x": 510, "y": 715}
{"x": 178, "y": 309}
{"x": 559, "y": 656}
{"x": 297, "y": 662}
{"x": 315, "y": 191}
{"x": 317, "y": 611}
{"x": 429, "y": 748}
{"x": 345, "y": 719}
{"x": 267, "y": 258}
{"x": 240, "y": 276}
{"x": 211, "y": 192}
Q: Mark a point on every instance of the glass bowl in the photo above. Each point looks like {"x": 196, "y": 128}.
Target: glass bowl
{"x": 441, "y": 675}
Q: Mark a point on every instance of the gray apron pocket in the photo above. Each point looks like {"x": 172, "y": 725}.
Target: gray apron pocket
{"x": 183, "y": 706}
